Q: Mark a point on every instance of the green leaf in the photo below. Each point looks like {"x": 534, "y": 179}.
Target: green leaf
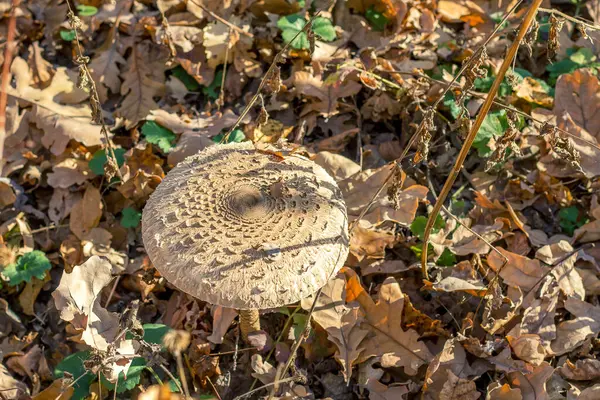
{"x": 134, "y": 374}
{"x": 377, "y": 20}
{"x": 418, "y": 225}
{"x": 324, "y": 29}
{"x": 569, "y": 220}
{"x": 236, "y": 136}
{"x": 68, "y": 36}
{"x": 577, "y": 58}
{"x": 73, "y": 364}
{"x": 190, "y": 83}
{"x": 447, "y": 259}
{"x": 213, "y": 89}
{"x": 494, "y": 124}
{"x": 153, "y": 333}
{"x": 86, "y": 11}
{"x": 131, "y": 217}
{"x": 32, "y": 264}
{"x": 290, "y": 25}
{"x": 98, "y": 160}
{"x": 158, "y": 135}
{"x": 450, "y": 102}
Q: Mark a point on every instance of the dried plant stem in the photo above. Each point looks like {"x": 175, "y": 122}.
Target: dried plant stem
{"x": 569, "y": 18}
{"x": 8, "y": 54}
{"x": 94, "y": 97}
{"x": 182, "y": 374}
{"x": 267, "y": 75}
{"x": 485, "y": 108}
{"x": 276, "y": 382}
{"x": 414, "y": 137}
{"x": 170, "y": 375}
{"x": 249, "y": 322}
{"x": 221, "y": 99}
{"x": 222, "y": 20}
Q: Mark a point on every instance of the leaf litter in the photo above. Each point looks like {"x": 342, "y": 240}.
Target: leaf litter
{"x": 510, "y": 309}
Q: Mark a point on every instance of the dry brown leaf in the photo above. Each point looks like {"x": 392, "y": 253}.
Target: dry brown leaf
{"x": 533, "y": 385}
{"x": 465, "y": 242}
{"x": 327, "y": 93}
{"x": 367, "y": 244}
{"x": 571, "y": 334}
{"x": 59, "y": 122}
{"x": 398, "y": 348}
{"x": 86, "y": 213}
{"x": 583, "y": 370}
{"x": 566, "y": 274}
{"x": 30, "y": 293}
{"x": 456, "y": 388}
{"x": 591, "y": 393}
{"x": 452, "y": 359}
{"x": 578, "y": 94}
{"x": 340, "y": 320}
{"x": 7, "y": 194}
{"x": 539, "y": 317}
{"x": 528, "y": 347}
{"x": 453, "y": 284}
{"x": 77, "y": 297}
{"x": 105, "y": 68}
{"x": 69, "y": 172}
{"x": 531, "y": 90}
{"x": 336, "y": 165}
{"x": 496, "y": 391}
{"x": 143, "y": 80}
{"x": 58, "y": 390}
{"x": 12, "y": 388}
{"x": 519, "y": 271}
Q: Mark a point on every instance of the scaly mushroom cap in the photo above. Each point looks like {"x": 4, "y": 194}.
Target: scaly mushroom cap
{"x": 241, "y": 228}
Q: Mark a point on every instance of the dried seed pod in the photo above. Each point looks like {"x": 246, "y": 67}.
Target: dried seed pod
{"x": 311, "y": 40}
{"x": 547, "y": 129}
{"x": 273, "y": 81}
{"x": 474, "y": 71}
{"x": 583, "y": 31}
{"x": 531, "y": 37}
{"x": 556, "y": 25}
{"x": 396, "y": 187}
{"x": 506, "y": 141}
{"x": 424, "y": 136}
{"x": 566, "y": 151}
{"x": 263, "y": 116}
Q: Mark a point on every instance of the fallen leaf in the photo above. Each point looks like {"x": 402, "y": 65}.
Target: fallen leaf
{"x": 327, "y": 93}
{"x": 77, "y": 296}
{"x": 105, "y": 66}
{"x": 58, "y": 390}
{"x": 572, "y": 333}
{"x": 496, "y": 391}
{"x": 336, "y": 165}
{"x": 532, "y": 91}
{"x": 566, "y": 274}
{"x": 86, "y": 213}
{"x": 370, "y": 244}
{"x": 591, "y": 393}
{"x": 533, "y": 385}
{"x": 578, "y": 94}
{"x": 10, "y": 387}
{"x": 519, "y": 271}
{"x": 399, "y": 348}
{"x": 68, "y": 173}
{"x": 583, "y": 370}
{"x": 453, "y": 284}
{"x": 457, "y": 388}
{"x": 528, "y": 347}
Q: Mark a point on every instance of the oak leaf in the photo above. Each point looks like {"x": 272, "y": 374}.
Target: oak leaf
{"x": 519, "y": 271}
{"x": 583, "y": 370}
{"x": 572, "y": 333}
{"x": 86, "y": 213}
{"x": 578, "y": 94}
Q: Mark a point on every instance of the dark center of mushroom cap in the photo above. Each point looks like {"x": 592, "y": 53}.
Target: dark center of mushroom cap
{"x": 247, "y": 202}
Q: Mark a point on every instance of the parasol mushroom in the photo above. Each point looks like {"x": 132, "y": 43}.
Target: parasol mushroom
{"x": 246, "y": 229}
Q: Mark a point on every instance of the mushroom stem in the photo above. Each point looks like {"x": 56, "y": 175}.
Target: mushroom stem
{"x": 249, "y": 322}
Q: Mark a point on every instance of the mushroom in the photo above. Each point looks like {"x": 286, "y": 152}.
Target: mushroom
{"x": 246, "y": 229}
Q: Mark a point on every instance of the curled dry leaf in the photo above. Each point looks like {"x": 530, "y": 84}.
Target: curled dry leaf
{"x": 583, "y": 370}
{"x": 368, "y": 244}
{"x": 456, "y": 388}
{"x": 77, "y": 298}
{"x": 336, "y": 165}
{"x": 528, "y": 348}
{"x": 562, "y": 258}
{"x": 591, "y": 393}
{"x": 86, "y": 213}
{"x": 497, "y": 391}
{"x": 68, "y": 173}
{"x": 532, "y": 385}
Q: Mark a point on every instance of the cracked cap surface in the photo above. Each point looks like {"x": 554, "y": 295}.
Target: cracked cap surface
{"x": 241, "y": 228}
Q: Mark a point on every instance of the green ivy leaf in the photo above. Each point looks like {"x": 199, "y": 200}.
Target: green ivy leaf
{"x": 418, "y": 225}
{"x": 130, "y": 218}
{"x": 86, "y": 11}
{"x": 447, "y": 259}
{"x": 450, "y": 102}
{"x": 214, "y": 88}
{"x": 68, "y": 36}
{"x": 569, "y": 220}
{"x": 324, "y": 29}
{"x": 494, "y": 124}
{"x": 98, "y": 160}
{"x": 134, "y": 374}
{"x": 290, "y": 25}
{"x": 576, "y": 59}
{"x": 154, "y": 333}
{"x": 236, "y": 136}
{"x": 189, "y": 82}
{"x": 377, "y": 20}
{"x": 32, "y": 264}
{"x": 158, "y": 135}
{"x": 73, "y": 364}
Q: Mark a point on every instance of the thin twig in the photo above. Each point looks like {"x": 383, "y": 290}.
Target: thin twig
{"x": 170, "y": 375}
{"x": 221, "y": 99}
{"x": 8, "y": 55}
{"x": 213, "y": 388}
{"x": 577, "y": 20}
{"x": 485, "y": 108}
{"x": 243, "y": 396}
{"x": 224, "y": 21}
{"x": 94, "y": 97}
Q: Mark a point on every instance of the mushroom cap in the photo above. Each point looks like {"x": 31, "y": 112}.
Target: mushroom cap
{"x": 242, "y": 228}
